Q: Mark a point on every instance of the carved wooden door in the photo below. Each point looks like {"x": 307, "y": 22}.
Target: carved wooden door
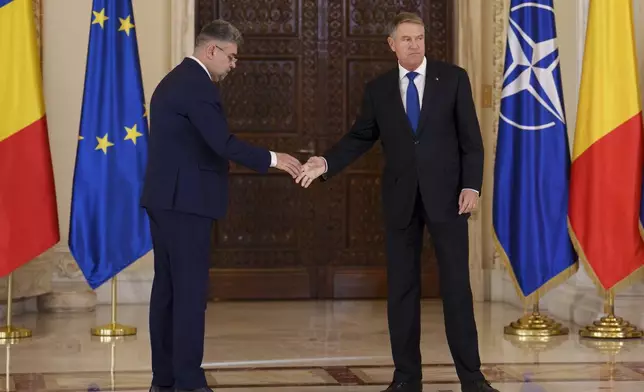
{"x": 297, "y": 88}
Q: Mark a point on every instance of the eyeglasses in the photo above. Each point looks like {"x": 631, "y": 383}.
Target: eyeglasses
{"x": 231, "y": 58}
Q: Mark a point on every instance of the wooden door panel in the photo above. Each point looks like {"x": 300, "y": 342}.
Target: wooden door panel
{"x": 298, "y": 87}
{"x": 258, "y": 249}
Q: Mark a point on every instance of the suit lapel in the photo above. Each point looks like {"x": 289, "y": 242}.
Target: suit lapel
{"x": 432, "y": 81}
{"x": 396, "y": 101}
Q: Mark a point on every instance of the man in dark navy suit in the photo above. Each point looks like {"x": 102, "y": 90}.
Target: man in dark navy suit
{"x": 423, "y": 114}
{"x": 185, "y": 191}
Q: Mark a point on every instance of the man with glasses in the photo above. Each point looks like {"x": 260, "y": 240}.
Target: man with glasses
{"x": 185, "y": 191}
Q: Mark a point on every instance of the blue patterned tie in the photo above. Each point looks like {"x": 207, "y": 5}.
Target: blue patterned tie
{"x": 413, "y": 103}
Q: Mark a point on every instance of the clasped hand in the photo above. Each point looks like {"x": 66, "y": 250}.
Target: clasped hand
{"x": 303, "y": 174}
{"x": 312, "y": 169}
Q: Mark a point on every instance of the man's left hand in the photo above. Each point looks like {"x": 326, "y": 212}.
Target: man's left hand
{"x": 467, "y": 201}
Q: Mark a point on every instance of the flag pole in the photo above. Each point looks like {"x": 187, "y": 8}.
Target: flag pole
{"x": 112, "y": 363}
{"x": 610, "y": 326}
{"x": 7, "y": 376}
{"x": 113, "y": 328}
{"x": 535, "y": 325}
{"x": 8, "y": 331}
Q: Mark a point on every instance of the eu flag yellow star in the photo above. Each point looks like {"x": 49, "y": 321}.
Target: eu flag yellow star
{"x": 126, "y": 25}
{"x": 100, "y": 18}
{"x": 103, "y": 143}
{"x": 132, "y": 134}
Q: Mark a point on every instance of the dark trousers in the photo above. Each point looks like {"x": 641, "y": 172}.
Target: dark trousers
{"x": 179, "y": 298}
{"x": 404, "y": 246}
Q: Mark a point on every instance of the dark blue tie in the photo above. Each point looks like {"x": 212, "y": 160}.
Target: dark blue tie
{"x": 413, "y": 103}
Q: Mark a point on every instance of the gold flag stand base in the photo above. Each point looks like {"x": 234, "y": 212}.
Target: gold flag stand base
{"x": 113, "y": 328}
{"x": 535, "y": 325}
{"x": 8, "y": 332}
{"x": 610, "y": 326}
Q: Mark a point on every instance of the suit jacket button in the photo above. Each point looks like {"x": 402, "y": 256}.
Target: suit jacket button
{"x": 416, "y": 142}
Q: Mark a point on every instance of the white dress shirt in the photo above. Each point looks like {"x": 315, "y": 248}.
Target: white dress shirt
{"x": 273, "y": 155}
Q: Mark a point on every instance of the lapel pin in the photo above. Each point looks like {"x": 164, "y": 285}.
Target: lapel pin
{"x": 437, "y": 78}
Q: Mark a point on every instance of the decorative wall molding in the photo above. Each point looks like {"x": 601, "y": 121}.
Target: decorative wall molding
{"x": 182, "y": 34}
{"x": 469, "y": 47}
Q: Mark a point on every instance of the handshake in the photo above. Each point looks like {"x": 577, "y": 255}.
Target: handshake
{"x": 303, "y": 174}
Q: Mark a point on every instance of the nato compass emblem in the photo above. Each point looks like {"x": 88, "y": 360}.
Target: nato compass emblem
{"x": 531, "y": 96}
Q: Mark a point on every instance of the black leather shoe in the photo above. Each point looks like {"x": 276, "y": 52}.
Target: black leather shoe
{"x": 404, "y": 386}
{"x": 478, "y": 386}
{"x": 155, "y": 388}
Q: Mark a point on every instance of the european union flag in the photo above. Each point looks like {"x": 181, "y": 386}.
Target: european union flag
{"x": 532, "y": 168}
{"x": 108, "y": 229}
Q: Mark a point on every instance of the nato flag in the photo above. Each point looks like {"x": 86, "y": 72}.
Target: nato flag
{"x": 532, "y": 167}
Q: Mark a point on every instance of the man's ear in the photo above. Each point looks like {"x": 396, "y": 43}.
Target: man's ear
{"x": 390, "y": 41}
{"x": 211, "y": 51}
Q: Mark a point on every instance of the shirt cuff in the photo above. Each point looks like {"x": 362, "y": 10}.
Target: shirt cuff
{"x": 273, "y": 159}
{"x": 470, "y": 189}
{"x": 326, "y": 165}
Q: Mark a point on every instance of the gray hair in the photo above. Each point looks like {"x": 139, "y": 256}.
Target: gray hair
{"x": 403, "y": 17}
{"x": 219, "y": 30}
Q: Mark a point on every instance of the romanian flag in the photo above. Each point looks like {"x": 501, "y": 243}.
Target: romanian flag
{"x": 28, "y": 216}
{"x": 608, "y": 153}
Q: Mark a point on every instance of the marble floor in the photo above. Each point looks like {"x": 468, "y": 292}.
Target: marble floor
{"x": 310, "y": 347}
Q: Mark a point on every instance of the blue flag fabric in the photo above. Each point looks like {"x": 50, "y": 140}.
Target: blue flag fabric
{"x": 108, "y": 228}
{"x": 532, "y": 167}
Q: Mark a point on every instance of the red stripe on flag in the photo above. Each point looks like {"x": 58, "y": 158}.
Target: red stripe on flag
{"x": 605, "y": 203}
{"x": 28, "y": 215}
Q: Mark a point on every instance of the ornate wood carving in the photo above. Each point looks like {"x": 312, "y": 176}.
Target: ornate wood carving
{"x": 272, "y": 105}
{"x": 298, "y": 87}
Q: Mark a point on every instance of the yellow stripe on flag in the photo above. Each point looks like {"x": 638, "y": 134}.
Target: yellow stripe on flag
{"x": 609, "y": 77}
{"x": 21, "y": 100}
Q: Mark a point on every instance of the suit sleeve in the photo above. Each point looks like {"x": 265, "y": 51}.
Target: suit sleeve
{"x": 207, "y": 115}
{"x": 360, "y": 138}
{"x": 469, "y": 135}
